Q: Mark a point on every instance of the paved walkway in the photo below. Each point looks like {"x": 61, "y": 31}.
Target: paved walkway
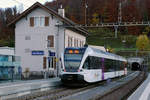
{"x": 26, "y": 87}
{"x": 143, "y": 92}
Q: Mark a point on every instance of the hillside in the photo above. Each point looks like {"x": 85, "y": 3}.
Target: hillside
{"x": 105, "y": 37}
{"x": 97, "y": 11}
{"x": 103, "y": 11}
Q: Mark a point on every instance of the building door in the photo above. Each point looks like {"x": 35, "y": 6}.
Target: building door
{"x": 52, "y": 63}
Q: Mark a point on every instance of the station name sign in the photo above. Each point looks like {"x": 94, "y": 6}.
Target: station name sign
{"x": 37, "y": 52}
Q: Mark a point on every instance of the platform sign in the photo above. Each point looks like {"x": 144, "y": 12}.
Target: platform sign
{"x": 51, "y": 53}
{"x": 37, "y": 52}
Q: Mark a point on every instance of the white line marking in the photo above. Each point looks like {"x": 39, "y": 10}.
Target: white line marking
{"x": 14, "y": 85}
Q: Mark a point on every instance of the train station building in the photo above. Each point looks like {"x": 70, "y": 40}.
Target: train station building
{"x": 41, "y": 36}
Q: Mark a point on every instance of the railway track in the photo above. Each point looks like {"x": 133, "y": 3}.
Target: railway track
{"x": 67, "y": 92}
{"x": 60, "y": 92}
{"x": 35, "y": 95}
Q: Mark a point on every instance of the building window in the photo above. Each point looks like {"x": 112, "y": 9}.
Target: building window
{"x": 80, "y": 43}
{"x": 27, "y": 38}
{"x": 27, "y": 50}
{"x": 74, "y": 42}
{"x": 36, "y": 21}
{"x": 52, "y": 63}
{"x": 50, "y": 41}
{"x": 39, "y": 21}
{"x": 42, "y": 21}
{"x": 77, "y": 42}
{"x": 69, "y": 41}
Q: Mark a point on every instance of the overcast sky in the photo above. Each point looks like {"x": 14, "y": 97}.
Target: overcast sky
{"x": 26, "y": 3}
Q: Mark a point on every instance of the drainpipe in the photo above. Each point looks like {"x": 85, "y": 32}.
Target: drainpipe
{"x": 57, "y": 49}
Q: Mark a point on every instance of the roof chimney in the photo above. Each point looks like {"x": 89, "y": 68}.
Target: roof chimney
{"x": 61, "y": 11}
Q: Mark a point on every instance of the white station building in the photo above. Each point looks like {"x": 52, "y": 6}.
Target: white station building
{"x": 41, "y": 36}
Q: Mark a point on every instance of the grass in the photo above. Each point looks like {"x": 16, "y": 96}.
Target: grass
{"x": 105, "y": 37}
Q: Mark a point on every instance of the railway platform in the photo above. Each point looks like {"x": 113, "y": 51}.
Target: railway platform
{"x": 143, "y": 92}
{"x": 15, "y": 89}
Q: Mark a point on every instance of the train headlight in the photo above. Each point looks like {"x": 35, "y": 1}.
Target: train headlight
{"x": 80, "y": 70}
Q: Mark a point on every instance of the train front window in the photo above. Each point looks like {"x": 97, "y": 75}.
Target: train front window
{"x": 72, "y": 61}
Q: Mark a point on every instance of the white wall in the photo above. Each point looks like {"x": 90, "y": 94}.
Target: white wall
{"x": 38, "y": 40}
{"x": 69, "y": 33}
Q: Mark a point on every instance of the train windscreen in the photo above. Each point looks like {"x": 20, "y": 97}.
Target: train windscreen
{"x": 72, "y": 59}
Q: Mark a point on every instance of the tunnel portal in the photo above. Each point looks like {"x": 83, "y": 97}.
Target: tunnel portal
{"x": 135, "y": 66}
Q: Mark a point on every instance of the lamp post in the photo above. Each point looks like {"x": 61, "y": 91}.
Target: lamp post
{"x": 48, "y": 58}
{"x": 85, "y": 11}
{"x": 86, "y": 6}
{"x": 58, "y": 24}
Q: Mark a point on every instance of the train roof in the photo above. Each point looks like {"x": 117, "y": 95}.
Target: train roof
{"x": 99, "y": 53}
{"x": 107, "y": 54}
{"x": 73, "y": 48}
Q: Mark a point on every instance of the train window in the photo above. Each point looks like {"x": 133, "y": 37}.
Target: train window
{"x": 109, "y": 65}
{"x": 121, "y": 65}
{"x": 86, "y": 63}
{"x": 72, "y": 61}
{"x": 92, "y": 63}
{"x": 117, "y": 65}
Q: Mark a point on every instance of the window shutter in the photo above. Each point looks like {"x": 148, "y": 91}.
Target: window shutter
{"x": 44, "y": 62}
{"x": 31, "y": 21}
{"x": 54, "y": 66}
{"x": 51, "y": 39}
{"x": 46, "y": 21}
{"x": 52, "y": 43}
